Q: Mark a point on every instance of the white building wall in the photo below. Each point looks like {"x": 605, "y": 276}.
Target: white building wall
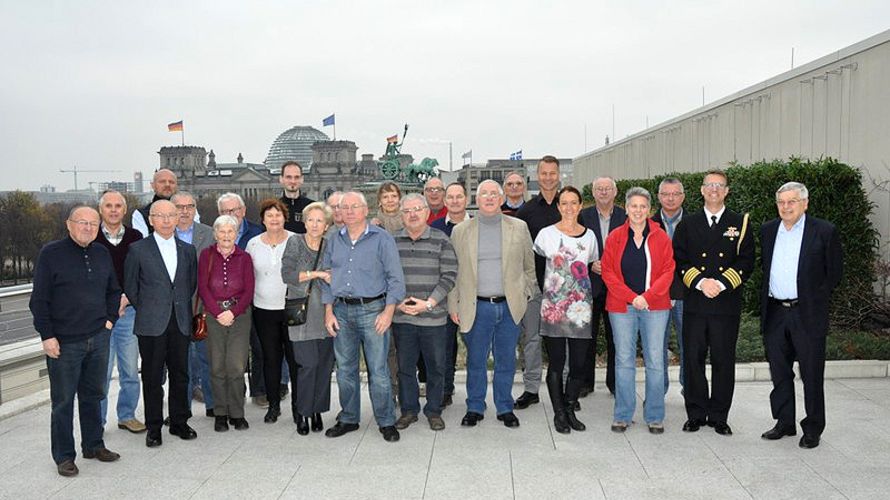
{"x": 838, "y": 106}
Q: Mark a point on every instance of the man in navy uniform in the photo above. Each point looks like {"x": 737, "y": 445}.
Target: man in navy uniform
{"x": 715, "y": 255}
{"x": 802, "y": 264}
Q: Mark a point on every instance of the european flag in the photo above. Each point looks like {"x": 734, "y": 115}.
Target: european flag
{"x": 327, "y": 122}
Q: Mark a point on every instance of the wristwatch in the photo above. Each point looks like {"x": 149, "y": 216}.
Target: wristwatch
{"x": 429, "y": 306}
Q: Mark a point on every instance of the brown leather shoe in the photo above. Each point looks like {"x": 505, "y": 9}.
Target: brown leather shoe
{"x": 103, "y": 454}
{"x": 133, "y": 426}
{"x": 67, "y": 468}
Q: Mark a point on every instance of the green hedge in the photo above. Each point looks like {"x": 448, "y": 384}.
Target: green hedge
{"x": 836, "y": 195}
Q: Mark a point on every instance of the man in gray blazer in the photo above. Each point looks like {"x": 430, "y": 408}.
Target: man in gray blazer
{"x": 161, "y": 273}
{"x": 200, "y": 236}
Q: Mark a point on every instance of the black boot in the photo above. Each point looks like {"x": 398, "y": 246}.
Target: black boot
{"x": 302, "y": 424}
{"x": 554, "y": 387}
{"x": 573, "y": 390}
{"x": 273, "y": 412}
{"x": 317, "y": 423}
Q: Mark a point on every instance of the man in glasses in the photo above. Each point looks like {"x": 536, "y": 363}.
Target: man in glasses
{"x": 160, "y": 278}
{"x": 366, "y": 285}
{"x": 232, "y": 204}
{"x": 514, "y": 189}
{"x": 199, "y": 236}
{"x": 714, "y": 251}
{"x": 671, "y": 197}
{"x": 419, "y": 325}
{"x": 495, "y": 281}
{"x": 75, "y": 303}
{"x": 434, "y": 192}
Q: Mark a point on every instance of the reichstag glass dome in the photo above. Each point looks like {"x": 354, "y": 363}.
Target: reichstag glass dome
{"x": 294, "y": 144}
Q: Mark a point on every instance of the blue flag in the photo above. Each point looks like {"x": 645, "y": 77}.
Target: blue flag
{"x": 327, "y": 122}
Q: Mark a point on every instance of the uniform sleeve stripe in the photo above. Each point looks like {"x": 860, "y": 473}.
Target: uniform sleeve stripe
{"x": 690, "y": 275}
{"x": 734, "y": 278}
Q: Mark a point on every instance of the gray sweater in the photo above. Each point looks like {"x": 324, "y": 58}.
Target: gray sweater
{"x": 491, "y": 281}
{"x": 297, "y": 258}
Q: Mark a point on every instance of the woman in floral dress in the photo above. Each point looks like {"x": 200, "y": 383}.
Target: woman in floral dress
{"x": 569, "y": 249}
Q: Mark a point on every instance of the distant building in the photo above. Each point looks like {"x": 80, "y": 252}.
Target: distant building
{"x": 496, "y": 169}
{"x": 294, "y": 144}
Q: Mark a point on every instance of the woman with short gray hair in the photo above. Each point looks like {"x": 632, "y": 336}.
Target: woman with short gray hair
{"x": 226, "y": 286}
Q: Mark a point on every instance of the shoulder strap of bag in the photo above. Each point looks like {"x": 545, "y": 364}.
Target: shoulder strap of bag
{"x": 314, "y": 267}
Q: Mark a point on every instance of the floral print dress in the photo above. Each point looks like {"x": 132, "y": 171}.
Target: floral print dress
{"x": 566, "y": 305}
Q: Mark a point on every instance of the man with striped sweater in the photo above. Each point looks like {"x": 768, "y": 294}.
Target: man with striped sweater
{"x": 430, "y": 268}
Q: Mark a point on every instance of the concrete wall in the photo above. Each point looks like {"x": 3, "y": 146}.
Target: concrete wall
{"x": 838, "y": 106}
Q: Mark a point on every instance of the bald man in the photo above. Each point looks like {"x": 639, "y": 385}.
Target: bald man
{"x": 165, "y": 185}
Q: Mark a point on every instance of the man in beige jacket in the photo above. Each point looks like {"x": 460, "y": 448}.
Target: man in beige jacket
{"x": 495, "y": 280}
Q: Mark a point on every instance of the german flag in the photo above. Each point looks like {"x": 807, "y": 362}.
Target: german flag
{"x": 175, "y": 126}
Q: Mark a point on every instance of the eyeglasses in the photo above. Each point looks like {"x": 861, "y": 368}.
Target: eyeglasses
{"x": 671, "y": 195}
{"x": 492, "y": 194}
{"x": 714, "y": 185}
{"x": 788, "y": 203}
{"x": 514, "y": 184}
{"x": 85, "y": 224}
{"x": 603, "y": 190}
{"x": 190, "y": 206}
{"x": 433, "y": 190}
{"x": 407, "y": 211}
{"x": 164, "y": 216}
{"x": 230, "y": 211}
{"x": 354, "y": 206}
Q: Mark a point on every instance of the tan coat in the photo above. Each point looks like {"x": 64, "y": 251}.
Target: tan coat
{"x": 517, "y": 268}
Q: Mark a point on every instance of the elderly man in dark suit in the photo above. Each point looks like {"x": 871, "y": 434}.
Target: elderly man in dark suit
{"x": 160, "y": 276}
{"x": 601, "y": 218}
{"x": 802, "y": 264}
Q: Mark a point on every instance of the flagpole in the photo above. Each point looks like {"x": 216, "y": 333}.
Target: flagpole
{"x": 182, "y": 132}
{"x": 335, "y": 129}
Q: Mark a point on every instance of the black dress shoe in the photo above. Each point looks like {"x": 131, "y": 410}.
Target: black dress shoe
{"x": 585, "y": 391}
{"x": 302, "y": 425}
{"x": 317, "y": 423}
{"x": 808, "y": 441}
{"x": 525, "y": 400}
{"x": 166, "y": 421}
{"x": 183, "y": 431}
{"x": 471, "y": 418}
{"x": 339, "y": 429}
{"x": 778, "y": 432}
{"x": 721, "y": 428}
{"x": 693, "y": 425}
{"x": 509, "y": 419}
{"x": 390, "y": 433}
{"x": 102, "y": 454}
{"x": 67, "y": 468}
{"x": 209, "y": 412}
{"x": 272, "y": 414}
{"x": 447, "y": 400}
{"x": 221, "y": 423}
{"x": 153, "y": 439}
{"x": 239, "y": 424}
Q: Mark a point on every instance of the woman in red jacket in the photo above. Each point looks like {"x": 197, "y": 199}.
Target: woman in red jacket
{"x": 638, "y": 268}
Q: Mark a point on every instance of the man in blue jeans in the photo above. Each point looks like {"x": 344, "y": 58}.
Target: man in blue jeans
{"x": 495, "y": 280}
{"x": 366, "y": 284}
{"x": 430, "y": 268}
{"x": 124, "y": 347}
{"x": 75, "y": 303}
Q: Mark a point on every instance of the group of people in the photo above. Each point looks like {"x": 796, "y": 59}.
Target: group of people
{"x": 399, "y": 289}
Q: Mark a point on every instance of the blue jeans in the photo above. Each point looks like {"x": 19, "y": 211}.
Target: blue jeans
{"x": 199, "y": 373}
{"x": 677, "y": 319}
{"x": 78, "y": 371}
{"x": 124, "y": 347}
{"x": 650, "y": 325}
{"x": 411, "y": 342}
{"x": 357, "y": 332}
{"x": 494, "y": 331}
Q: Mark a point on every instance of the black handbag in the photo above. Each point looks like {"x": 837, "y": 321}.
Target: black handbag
{"x": 295, "y": 310}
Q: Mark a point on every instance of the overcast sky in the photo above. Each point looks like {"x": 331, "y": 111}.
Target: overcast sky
{"x": 94, "y": 84}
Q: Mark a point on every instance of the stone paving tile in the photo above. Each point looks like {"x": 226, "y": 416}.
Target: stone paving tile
{"x": 489, "y": 461}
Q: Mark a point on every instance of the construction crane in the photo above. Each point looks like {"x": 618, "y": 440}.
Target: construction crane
{"x": 75, "y": 171}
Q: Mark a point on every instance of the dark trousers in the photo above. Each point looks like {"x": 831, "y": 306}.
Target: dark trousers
{"x": 272, "y": 332}
{"x": 412, "y": 342}
{"x": 599, "y": 311}
{"x": 80, "y": 370}
{"x": 786, "y": 339}
{"x": 717, "y": 334}
{"x": 450, "y": 355}
{"x": 170, "y": 348}
{"x": 315, "y": 362}
{"x": 255, "y": 366}
{"x": 576, "y": 351}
